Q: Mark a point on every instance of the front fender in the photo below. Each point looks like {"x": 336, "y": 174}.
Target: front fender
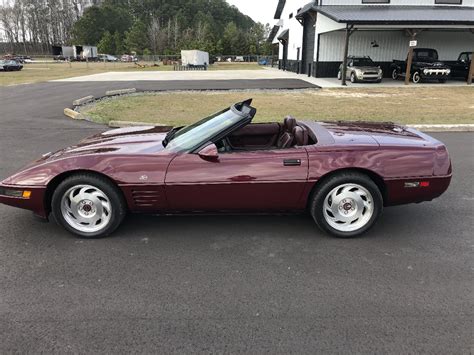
{"x": 42, "y": 172}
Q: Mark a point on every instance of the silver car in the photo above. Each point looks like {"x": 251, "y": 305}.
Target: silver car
{"x": 361, "y": 69}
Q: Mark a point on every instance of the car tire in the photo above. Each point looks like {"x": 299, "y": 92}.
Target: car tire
{"x": 88, "y": 205}
{"x": 359, "y": 204}
{"x": 416, "y": 77}
{"x": 339, "y": 75}
{"x": 395, "y": 74}
{"x": 353, "y": 78}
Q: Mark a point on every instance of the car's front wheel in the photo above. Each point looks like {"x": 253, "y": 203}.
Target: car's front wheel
{"x": 88, "y": 205}
{"x": 416, "y": 77}
{"x": 346, "y": 205}
{"x": 353, "y": 78}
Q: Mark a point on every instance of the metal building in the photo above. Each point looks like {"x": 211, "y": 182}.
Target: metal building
{"x": 312, "y": 36}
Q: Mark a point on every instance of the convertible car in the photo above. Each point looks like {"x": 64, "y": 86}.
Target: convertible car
{"x": 343, "y": 174}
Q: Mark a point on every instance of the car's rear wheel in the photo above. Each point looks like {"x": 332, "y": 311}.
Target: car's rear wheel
{"x": 88, "y": 205}
{"x": 416, "y": 77}
{"x": 347, "y": 204}
{"x": 395, "y": 74}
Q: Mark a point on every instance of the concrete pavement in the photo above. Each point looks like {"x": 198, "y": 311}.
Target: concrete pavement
{"x": 265, "y": 73}
{"x": 228, "y": 284}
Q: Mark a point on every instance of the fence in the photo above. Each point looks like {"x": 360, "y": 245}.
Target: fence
{"x": 163, "y": 58}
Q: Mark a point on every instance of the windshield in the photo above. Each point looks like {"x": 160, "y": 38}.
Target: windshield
{"x": 427, "y": 55}
{"x": 200, "y": 132}
{"x": 363, "y": 62}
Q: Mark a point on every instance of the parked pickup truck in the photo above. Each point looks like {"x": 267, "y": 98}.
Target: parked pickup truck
{"x": 461, "y": 68}
{"x": 425, "y": 65}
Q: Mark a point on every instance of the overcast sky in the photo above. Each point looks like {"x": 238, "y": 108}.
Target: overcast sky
{"x": 259, "y": 10}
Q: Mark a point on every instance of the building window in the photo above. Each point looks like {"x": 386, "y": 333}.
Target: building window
{"x": 376, "y": 1}
{"x": 448, "y": 2}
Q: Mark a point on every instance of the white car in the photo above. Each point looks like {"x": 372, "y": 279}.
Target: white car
{"x": 107, "y": 58}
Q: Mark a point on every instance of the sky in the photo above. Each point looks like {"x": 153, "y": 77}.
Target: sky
{"x": 259, "y": 10}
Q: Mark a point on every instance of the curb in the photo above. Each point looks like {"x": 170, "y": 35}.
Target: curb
{"x": 83, "y": 100}
{"x": 120, "y": 92}
{"x": 123, "y": 124}
{"x": 73, "y": 114}
{"x": 444, "y": 127}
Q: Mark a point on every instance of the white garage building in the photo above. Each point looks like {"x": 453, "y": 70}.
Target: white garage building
{"x": 311, "y": 37}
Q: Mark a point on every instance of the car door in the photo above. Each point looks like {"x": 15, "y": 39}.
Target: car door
{"x": 238, "y": 181}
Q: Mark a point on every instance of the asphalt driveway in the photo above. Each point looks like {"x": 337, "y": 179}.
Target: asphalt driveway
{"x": 229, "y": 284}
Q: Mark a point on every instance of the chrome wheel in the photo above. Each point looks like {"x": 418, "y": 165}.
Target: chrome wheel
{"x": 416, "y": 77}
{"x": 348, "y": 207}
{"x": 86, "y": 208}
{"x": 353, "y": 78}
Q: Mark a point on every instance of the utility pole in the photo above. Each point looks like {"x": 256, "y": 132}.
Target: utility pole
{"x": 349, "y": 31}
{"x": 471, "y": 71}
{"x": 413, "y": 44}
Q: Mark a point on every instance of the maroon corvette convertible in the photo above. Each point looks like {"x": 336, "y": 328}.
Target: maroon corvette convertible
{"x": 343, "y": 174}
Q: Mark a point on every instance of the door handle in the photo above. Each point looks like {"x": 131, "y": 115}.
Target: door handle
{"x": 292, "y": 162}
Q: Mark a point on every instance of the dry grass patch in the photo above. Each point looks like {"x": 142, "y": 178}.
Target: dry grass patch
{"x": 403, "y": 105}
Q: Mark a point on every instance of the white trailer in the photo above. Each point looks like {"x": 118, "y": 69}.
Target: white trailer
{"x": 85, "y": 52}
{"x": 194, "y": 58}
{"x": 63, "y": 52}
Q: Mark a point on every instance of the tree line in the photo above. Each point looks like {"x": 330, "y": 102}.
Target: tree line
{"x": 38, "y": 24}
{"x": 140, "y": 26}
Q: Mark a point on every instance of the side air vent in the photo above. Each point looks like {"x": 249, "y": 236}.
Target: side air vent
{"x": 145, "y": 198}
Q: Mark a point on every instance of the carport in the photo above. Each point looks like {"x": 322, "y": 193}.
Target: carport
{"x": 386, "y": 30}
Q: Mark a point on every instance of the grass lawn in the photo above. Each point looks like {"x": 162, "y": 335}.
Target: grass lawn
{"x": 39, "y": 72}
{"x": 403, "y": 105}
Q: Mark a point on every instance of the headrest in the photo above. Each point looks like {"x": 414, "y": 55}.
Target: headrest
{"x": 289, "y": 124}
{"x": 301, "y": 136}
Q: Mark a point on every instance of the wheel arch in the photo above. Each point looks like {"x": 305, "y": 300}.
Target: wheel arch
{"x": 376, "y": 178}
{"x": 54, "y": 183}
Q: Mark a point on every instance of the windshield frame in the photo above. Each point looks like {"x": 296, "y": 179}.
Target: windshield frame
{"x": 244, "y": 117}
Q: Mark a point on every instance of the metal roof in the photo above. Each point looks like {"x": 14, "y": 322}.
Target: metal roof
{"x": 273, "y": 33}
{"x": 279, "y": 10}
{"x": 284, "y": 35}
{"x": 305, "y": 9}
{"x": 391, "y": 14}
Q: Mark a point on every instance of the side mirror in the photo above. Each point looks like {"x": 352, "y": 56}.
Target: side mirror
{"x": 209, "y": 153}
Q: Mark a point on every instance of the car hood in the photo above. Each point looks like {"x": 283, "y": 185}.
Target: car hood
{"x": 367, "y": 68}
{"x": 377, "y": 134}
{"x": 120, "y": 142}
{"x": 436, "y": 64}
{"x": 123, "y": 141}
